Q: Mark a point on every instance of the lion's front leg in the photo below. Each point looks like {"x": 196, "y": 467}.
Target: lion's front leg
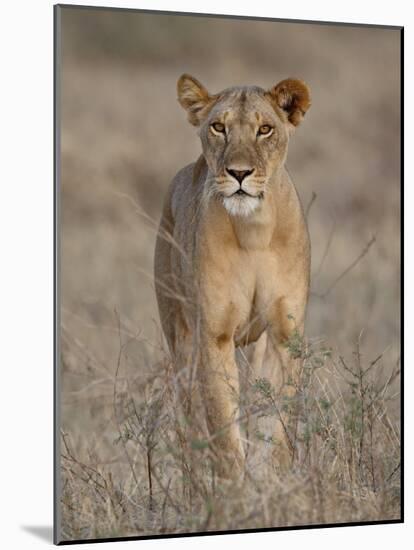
{"x": 286, "y": 328}
{"x": 220, "y": 389}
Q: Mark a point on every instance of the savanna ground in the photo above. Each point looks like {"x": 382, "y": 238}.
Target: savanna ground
{"x": 126, "y": 465}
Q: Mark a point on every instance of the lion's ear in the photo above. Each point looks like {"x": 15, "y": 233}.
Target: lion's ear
{"x": 293, "y": 97}
{"x": 194, "y": 98}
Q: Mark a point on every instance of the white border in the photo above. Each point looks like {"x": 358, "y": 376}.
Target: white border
{"x": 26, "y": 267}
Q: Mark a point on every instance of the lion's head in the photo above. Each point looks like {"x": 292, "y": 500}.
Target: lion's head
{"x": 244, "y": 133}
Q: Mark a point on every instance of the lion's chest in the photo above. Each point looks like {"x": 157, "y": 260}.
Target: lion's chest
{"x": 254, "y": 290}
{"x": 239, "y": 276}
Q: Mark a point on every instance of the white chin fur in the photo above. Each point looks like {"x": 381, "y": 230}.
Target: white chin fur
{"x": 240, "y": 206}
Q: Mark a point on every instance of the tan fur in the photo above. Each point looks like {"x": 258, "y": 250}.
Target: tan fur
{"x": 231, "y": 267}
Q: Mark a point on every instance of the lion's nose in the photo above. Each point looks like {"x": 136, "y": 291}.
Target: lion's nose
{"x": 239, "y": 175}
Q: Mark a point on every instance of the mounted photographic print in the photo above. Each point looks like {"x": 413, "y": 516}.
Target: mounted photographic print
{"x": 228, "y": 199}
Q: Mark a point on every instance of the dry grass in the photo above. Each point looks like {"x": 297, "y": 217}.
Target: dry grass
{"x": 124, "y": 470}
{"x": 346, "y": 465}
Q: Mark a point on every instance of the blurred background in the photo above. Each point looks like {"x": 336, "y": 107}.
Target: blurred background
{"x": 124, "y": 136}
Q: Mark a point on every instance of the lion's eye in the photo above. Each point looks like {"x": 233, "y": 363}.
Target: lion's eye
{"x": 218, "y": 127}
{"x": 265, "y": 130}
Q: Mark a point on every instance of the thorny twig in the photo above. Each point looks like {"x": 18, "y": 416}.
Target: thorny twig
{"x": 347, "y": 270}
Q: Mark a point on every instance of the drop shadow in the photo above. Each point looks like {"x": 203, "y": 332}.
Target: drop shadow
{"x": 43, "y": 532}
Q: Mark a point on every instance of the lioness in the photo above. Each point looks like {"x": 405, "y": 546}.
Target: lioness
{"x": 232, "y": 256}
